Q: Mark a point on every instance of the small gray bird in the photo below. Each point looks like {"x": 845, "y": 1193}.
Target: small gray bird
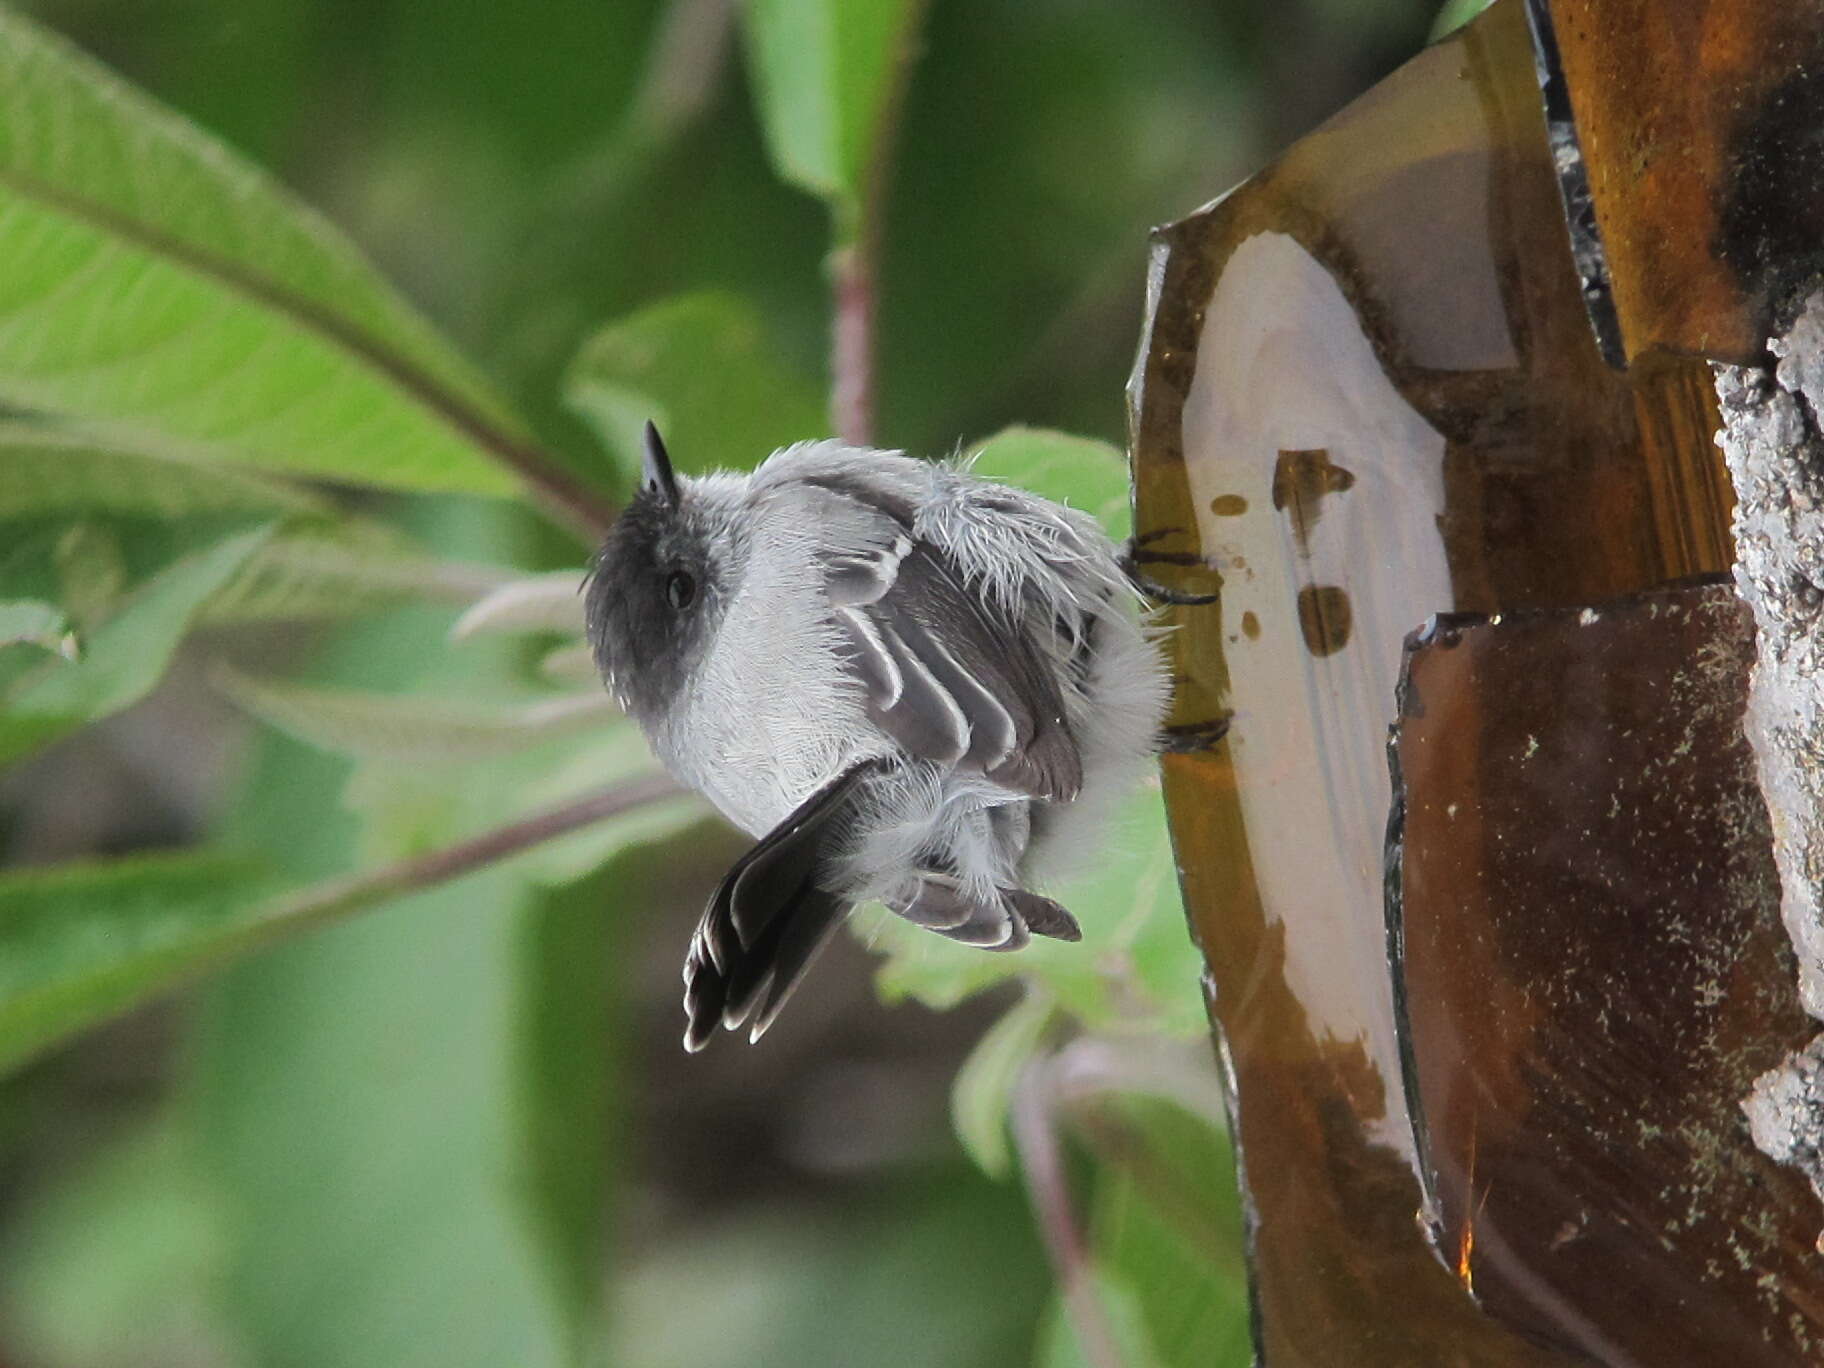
{"x": 912, "y": 684}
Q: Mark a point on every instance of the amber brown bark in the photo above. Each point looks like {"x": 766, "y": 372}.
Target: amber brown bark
{"x": 1486, "y": 1072}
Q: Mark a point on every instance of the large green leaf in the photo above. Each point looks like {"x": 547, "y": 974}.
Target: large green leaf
{"x": 343, "y": 567}
{"x": 321, "y": 563}
{"x": 79, "y": 943}
{"x": 47, "y": 471}
{"x": 702, "y": 367}
{"x": 126, "y": 656}
{"x": 410, "y": 1113}
{"x": 981, "y": 1096}
{"x": 123, "y": 1249}
{"x": 158, "y": 288}
{"x": 1078, "y": 471}
{"x": 409, "y": 729}
{"x": 1167, "y": 1225}
{"x": 31, "y": 622}
{"x": 823, "y": 73}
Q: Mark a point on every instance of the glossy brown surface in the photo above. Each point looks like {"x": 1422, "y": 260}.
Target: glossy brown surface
{"x": 1369, "y": 393}
{"x": 1697, "y": 124}
{"x": 1595, "y": 973}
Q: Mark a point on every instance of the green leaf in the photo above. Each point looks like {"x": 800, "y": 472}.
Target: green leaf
{"x": 320, "y": 564}
{"x": 91, "y": 571}
{"x": 365, "y": 1108}
{"x": 412, "y": 729}
{"x": 126, "y": 656}
{"x": 319, "y": 568}
{"x": 46, "y": 471}
{"x": 702, "y": 367}
{"x": 123, "y": 1249}
{"x": 981, "y": 1096}
{"x": 1453, "y": 15}
{"x": 411, "y": 1113}
{"x": 1078, "y": 471}
{"x": 29, "y": 622}
{"x": 79, "y": 943}
{"x": 552, "y": 602}
{"x": 823, "y": 72}
{"x": 161, "y": 290}
{"x": 1166, "y": 1224}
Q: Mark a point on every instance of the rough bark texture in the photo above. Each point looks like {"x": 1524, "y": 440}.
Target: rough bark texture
{"x": 1786, "y": 1114}
{"x": 1775, "y": 450}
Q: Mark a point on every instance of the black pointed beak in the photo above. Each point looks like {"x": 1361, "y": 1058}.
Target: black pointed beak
{"x": 656, "y": 468}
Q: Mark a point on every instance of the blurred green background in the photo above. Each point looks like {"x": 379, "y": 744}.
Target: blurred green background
{"x": 460, "y": 1130}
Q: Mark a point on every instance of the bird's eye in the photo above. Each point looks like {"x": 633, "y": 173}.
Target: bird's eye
{"x": 680, "y": 590}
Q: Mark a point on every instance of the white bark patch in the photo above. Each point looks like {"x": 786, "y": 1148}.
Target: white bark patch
{"x": 1774, "y": 445}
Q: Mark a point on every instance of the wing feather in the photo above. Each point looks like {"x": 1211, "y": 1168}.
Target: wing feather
{"x": 948, "y": 673}
{"x": 926, "y": 718}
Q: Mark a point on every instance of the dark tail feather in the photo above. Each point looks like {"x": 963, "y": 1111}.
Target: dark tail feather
{"x": 1042, "y": 916}
{"x": 814, "y": 921}
{"x": 767, "y": 920}
{"x": 753, "y": 983}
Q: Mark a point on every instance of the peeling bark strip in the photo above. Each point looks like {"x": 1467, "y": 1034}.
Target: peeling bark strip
{"x": 1772, "y": 440}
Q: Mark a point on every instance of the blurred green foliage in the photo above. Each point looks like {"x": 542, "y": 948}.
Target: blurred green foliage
{"x": 417, "y": 1136}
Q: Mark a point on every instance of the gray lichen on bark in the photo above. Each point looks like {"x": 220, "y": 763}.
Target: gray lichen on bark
{"x": 1786, "y": 1114}
{"x": 1773, "y": 442}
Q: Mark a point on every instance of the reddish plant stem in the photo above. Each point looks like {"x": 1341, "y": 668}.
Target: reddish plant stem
{"x": 328, "y": 901}
{"x": 852, "y": 343}
{"x": 855, "y": 264}
{"x": 1048, "y": 1188}
{"x": 334, "y": 899}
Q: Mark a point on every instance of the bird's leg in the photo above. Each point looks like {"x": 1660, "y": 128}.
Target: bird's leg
{"x": 1193, "y": 738}
{"x": 1135, "y": 554}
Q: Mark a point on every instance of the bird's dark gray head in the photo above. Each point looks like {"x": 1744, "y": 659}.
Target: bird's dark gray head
{"x": 655, "y": 590}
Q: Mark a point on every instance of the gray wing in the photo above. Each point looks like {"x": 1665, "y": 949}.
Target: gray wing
{"x": 947, "y": 676}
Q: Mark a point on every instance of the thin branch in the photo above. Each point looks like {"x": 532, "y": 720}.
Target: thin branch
{"x": 159, "y": 969}
{"x": 689, "y": 51}
{"x": 855, "y": 264}
{"x": 337, "y": 898}
{"x": 1048, "y": 1188}
{"x": 852, "y": 286}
